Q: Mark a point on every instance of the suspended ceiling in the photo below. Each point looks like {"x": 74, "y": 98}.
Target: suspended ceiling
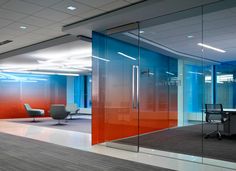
{"x": 27, "y": 22}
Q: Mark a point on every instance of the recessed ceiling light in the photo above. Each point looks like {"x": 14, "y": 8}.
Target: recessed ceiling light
{"x": 141, "y": 31}
{"x": 190, "y": 36}
{"x": 211, "y": 47}
{"x": 71, "y": 8}
{"x": 23, "y": 27}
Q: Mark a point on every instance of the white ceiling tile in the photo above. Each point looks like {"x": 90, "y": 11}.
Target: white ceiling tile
{"x": 32, "y": 37}
{"x": 3, "y": 1}
{"x": 52, "y": 15}
{"x": 45, "y": 3}
{"x": 48, "y": 32}
{"x": 91, "y": 13}
{"x": 36, "y": 21}
{"x": 4, "y": 22}
{"x": 5, "y": 37}
{"x": 71, "y": 20}
{"x": 55, "y": 27}
{"x": 21, "y": 6}
{"x": 95, "y": 3}
{"x": 16, "y": 27}
{"x": 11, "y": 32}
{"x": 81, "y": 8}
{"x": 114, "y": 5}
{"x": 11, "y": 15}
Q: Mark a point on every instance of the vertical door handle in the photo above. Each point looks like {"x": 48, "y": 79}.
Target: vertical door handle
{"x": 137, "y": 86}
{"x": 133, "y": 87}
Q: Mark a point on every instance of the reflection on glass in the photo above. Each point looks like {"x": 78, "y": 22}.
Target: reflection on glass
{"x": 185, "y": 60}
{"x": 171, "y": 99}
{"x": 115, "y": 90}
{"x": 219, "y": 34}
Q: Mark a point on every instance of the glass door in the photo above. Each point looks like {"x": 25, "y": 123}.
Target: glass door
{"x": 171, "y": 87}
{"x": 117, "y": 65}
{"x": 219, "y": 30}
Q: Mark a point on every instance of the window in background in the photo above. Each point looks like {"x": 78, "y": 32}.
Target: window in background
{"x": 225, "y": 85}
{"x": 82, "y": 91}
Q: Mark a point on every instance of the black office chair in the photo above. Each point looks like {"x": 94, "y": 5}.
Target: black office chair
{"x": 215, "y": 116}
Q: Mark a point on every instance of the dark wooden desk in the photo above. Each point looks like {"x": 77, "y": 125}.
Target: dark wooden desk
{"x": 230, "y": 125}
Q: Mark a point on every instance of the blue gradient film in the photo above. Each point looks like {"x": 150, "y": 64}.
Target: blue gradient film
{"x": 40, "y": 91}
{"x": 79, "y": 91}
{"x": 193, "y": 88}
{"x": 197, "y": 91}
{"x": 89, "y": 91}
{"x": 226, "y": 84}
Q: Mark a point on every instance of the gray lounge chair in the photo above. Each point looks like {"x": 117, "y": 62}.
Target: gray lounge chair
{"x": 58, "y": 112}
{"x": 33, "y": 112}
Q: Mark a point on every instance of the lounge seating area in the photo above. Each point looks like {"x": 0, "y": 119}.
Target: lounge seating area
{"x": 59, "y": 116}
{"x": 58, "y": 112}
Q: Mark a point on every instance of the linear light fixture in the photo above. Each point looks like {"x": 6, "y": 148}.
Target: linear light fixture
{"x": 170, "y": 73}
{"x": 127, "y": 56}
{"x": 211, "y": 47}
{"x": 190, "y": 36}
{"x": 66, "y": 74}
{"x": 56, "y": 69}
{"x": 41, "y": 73}
{"x": 55, "y": 56}
{"x": 198, "y": 73}
{"x": 96, "y": 57}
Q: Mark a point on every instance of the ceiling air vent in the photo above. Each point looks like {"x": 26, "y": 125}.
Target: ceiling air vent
{"x": 5, "y": 42}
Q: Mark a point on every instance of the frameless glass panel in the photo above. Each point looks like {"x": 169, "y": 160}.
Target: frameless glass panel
{"x": 219, "y": 43}
{"x": 118, "y": 72}
{"x": 171, "y": 87}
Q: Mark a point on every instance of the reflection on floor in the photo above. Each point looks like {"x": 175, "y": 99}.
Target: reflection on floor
{"x": 188, "y": 140}
{"x": 80, "y": 124}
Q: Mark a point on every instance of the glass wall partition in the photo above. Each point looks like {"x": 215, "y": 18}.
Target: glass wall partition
{"x": 152, "y": 81}
{"x": 219, "y": 38}
{"x": 171, "y": 85}
{"x": 148, "y": 86}
{"x": 115, "y": 102}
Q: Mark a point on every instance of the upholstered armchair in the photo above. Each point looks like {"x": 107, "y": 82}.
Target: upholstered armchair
{"x": 33, "y": 112}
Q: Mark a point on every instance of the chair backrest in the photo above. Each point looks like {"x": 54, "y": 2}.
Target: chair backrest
{"x": 58, "y": 111}
{"x": 71, "y": 108}
{"x": 214, "y": 112}
{"x": 27, "y": 107}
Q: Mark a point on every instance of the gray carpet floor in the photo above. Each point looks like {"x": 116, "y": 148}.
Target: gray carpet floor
{"x": 79, "y": 124}
{"x": 188, "y": 140}
{"x": 22, "y": 154}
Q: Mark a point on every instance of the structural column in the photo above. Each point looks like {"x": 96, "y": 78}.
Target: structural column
{"x": 181, "y": 92}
